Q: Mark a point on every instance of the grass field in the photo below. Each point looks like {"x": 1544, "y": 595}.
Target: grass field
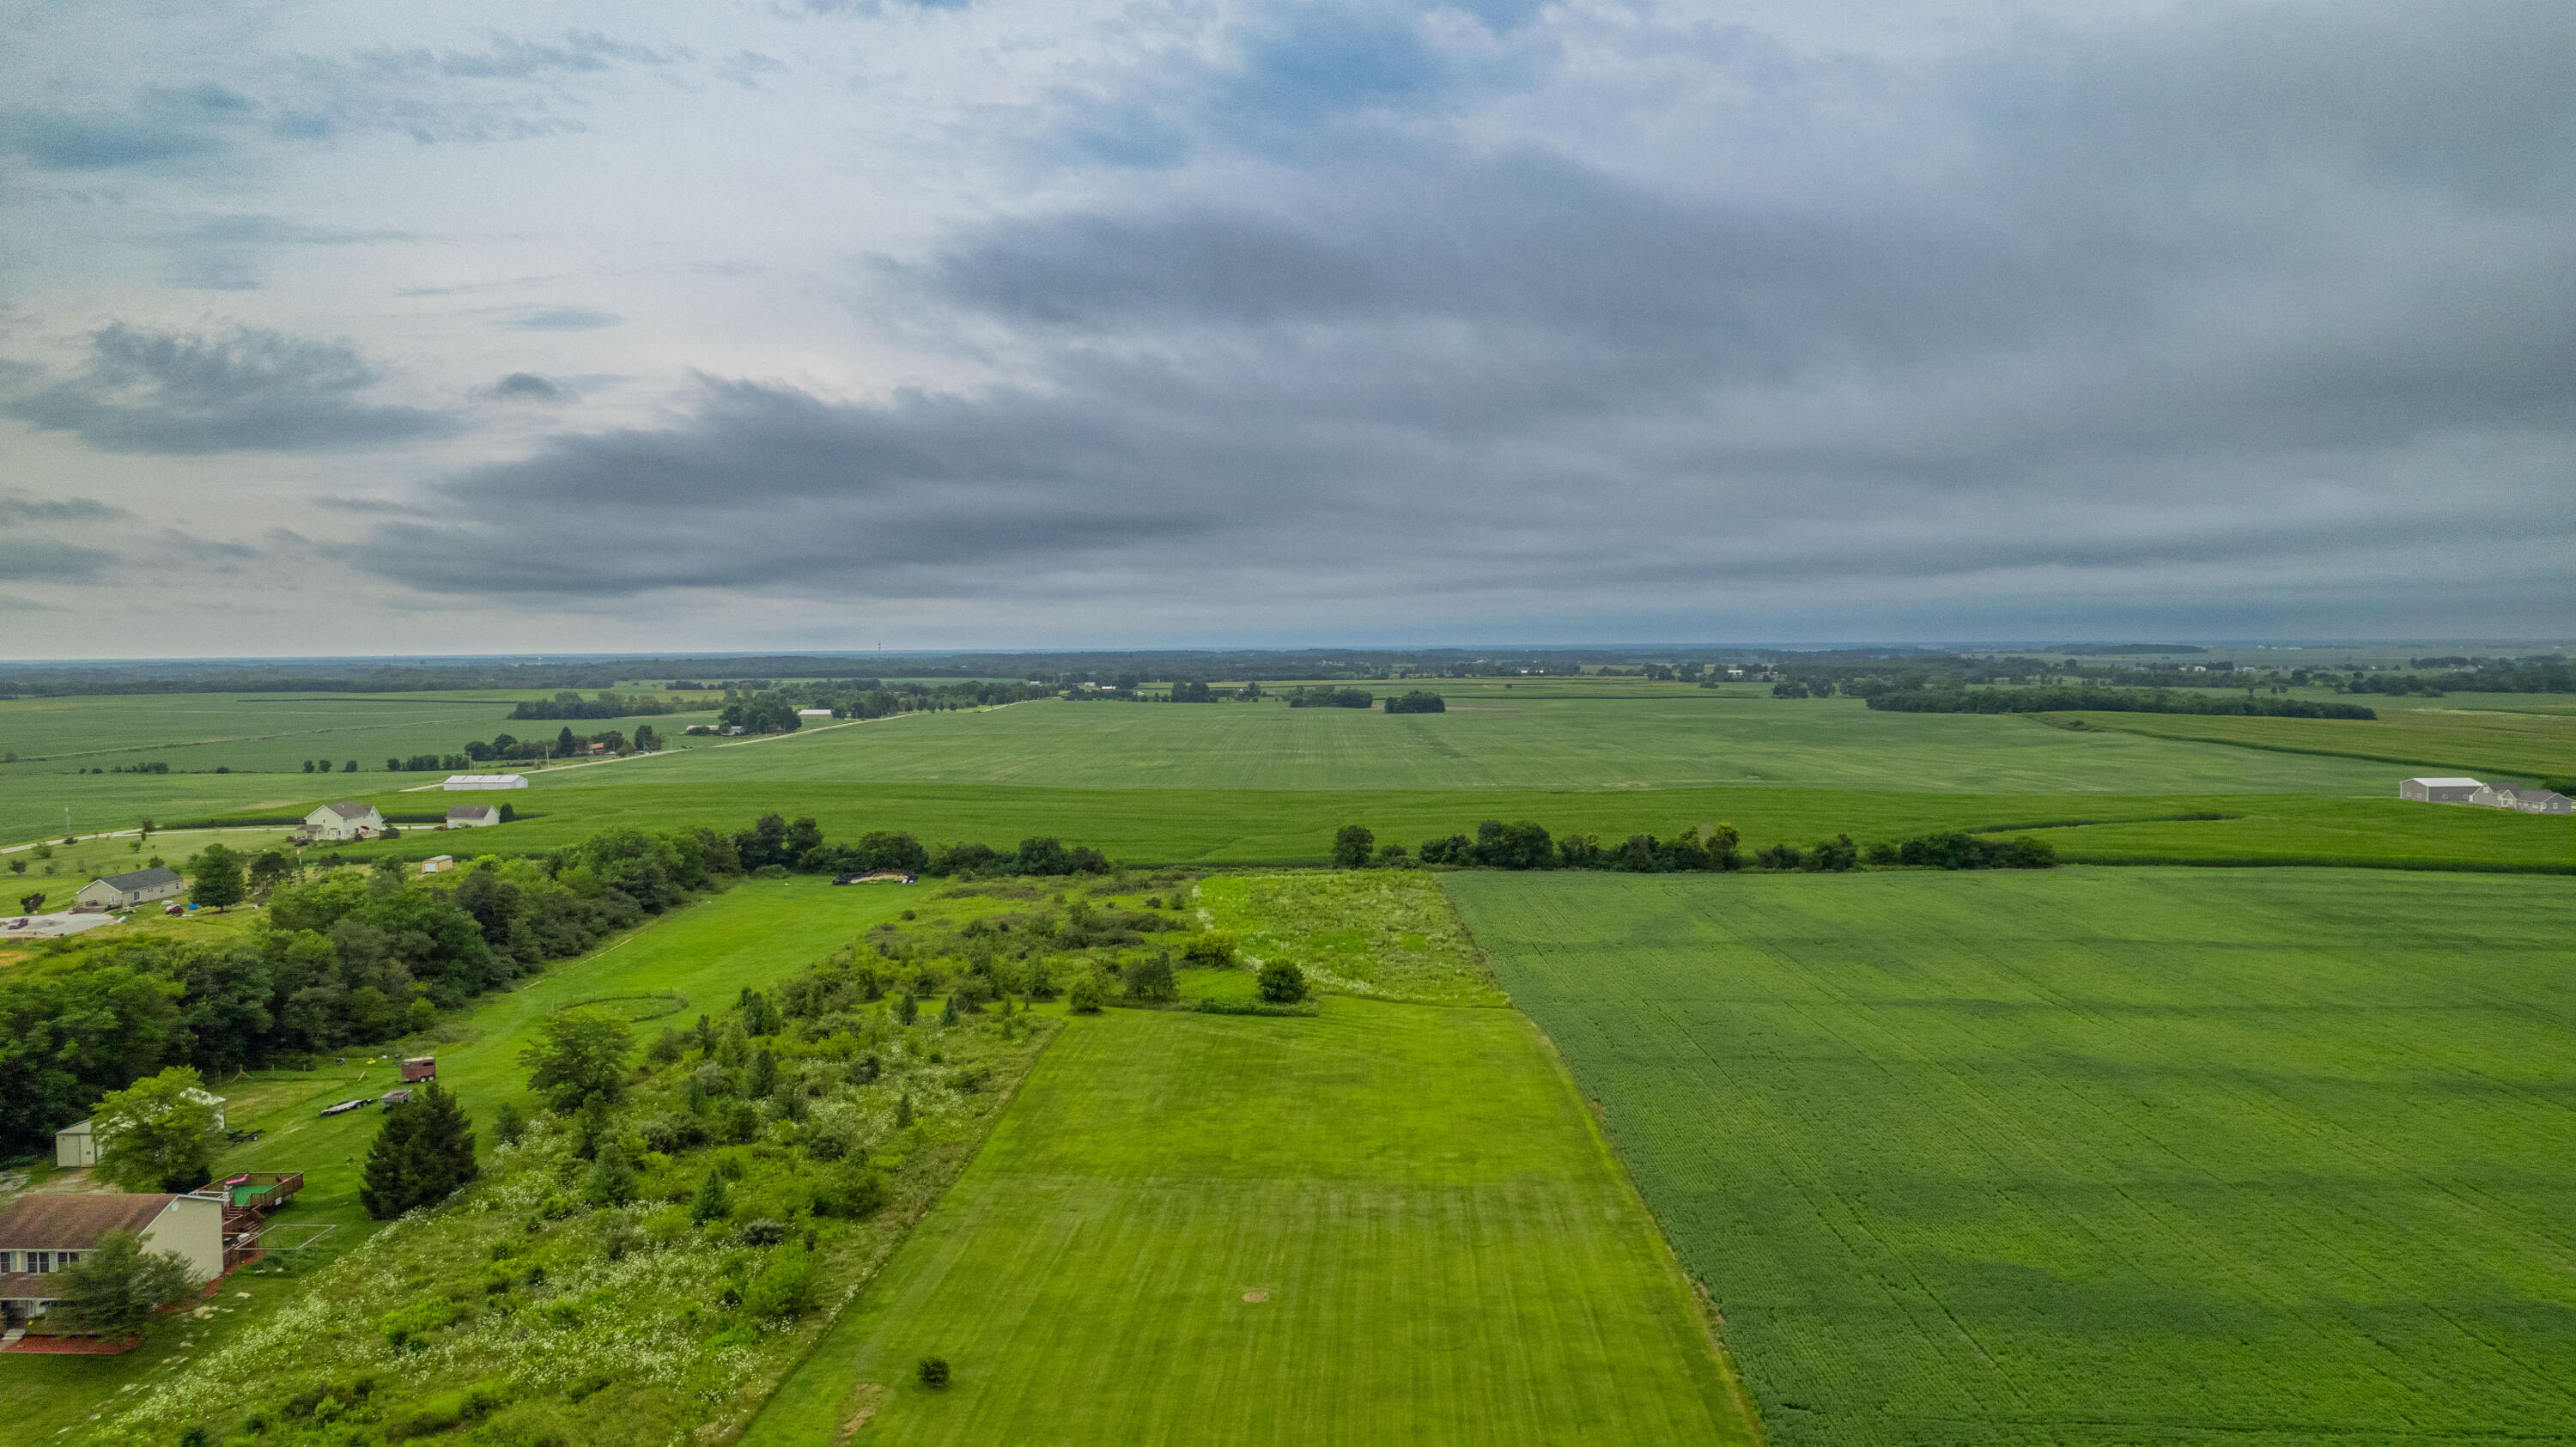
{"x": 2179, "y": 1156}
{"x": 1384, "y": 1224}
{"x": 1379, "y": 933}
{"x": 1645, "y": 742}
{"x": 2485, "y": 741}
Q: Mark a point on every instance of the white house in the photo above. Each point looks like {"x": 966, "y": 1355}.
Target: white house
{"x": 2439, "y": 791}
{"x": 43, "y": 1232}
{"x": 124, "y": 891}
{"x": 345, "y": 820}
{"x": 473, "y": 816}
{"x": 486, "y": 781}
{"x": 2528, "y": 798}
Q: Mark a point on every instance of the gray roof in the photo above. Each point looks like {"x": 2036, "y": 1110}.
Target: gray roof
{"x": 139, "y": 879}
{"x": 351, "y": 809}
{"x": 473, "y": 809}
{"x": 73, "y": 1221}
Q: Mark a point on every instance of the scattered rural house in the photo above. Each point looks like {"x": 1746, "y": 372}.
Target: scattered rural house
{"x": 486, "y": 781}
{"x": 2528, "y": 798}
{"x": 77, "y": 1145}
{"x": 419, "y": 1068}
{"x": 2439, "y": 791}
{"x": 813, "y": 713}
{"x": 438, "y": 864}
{"x": 124, "y": 891}
{"x": 473, "y": 816}
{"x": 45, "y": 1231}
{"x": 345, "y": 820}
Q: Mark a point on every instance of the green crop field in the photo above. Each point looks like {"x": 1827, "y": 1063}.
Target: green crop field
{"x": 1696, "y": 739}
{"x": 2092, "y": 1156}
{"x": 2486, "y": 740}
{"x": 1384, "y": 1224}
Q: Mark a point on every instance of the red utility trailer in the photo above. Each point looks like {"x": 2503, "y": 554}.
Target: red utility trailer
{"x": 420, "y": 1068}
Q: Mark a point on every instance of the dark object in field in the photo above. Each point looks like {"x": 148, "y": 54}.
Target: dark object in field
{"x": 394, "y": 1097}
{"x": 419, "y": 1068}
{"x": 1282, "y": 983}
{"x": 1417, "y": 701}
{"x": 933, "y": 1371}
{"x": 347, "y": 1105}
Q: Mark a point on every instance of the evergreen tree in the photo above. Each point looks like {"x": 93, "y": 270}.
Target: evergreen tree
{"x": 706, "y": 1036}
{"x": 903, "y": 1111}
{"x": 422, "y": 1153}
{"x": 764, "y": 1075}
{"x": 948, "y": 1012}
{"x": 710, "y": 1204}
{"x": 906, "y": 1008}
{"x": 115, "y": 1287}
{"x": 508, "y": 1125}
{"x": 612, "y": 1177}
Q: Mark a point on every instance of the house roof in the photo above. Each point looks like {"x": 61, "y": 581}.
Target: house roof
{"x": 74, "y": 1220}
{"x": 139, "y": 879}
{"x": 2448, "y": 783}
{"x": 463, "y": 809}
{"x": 351, "y": 809}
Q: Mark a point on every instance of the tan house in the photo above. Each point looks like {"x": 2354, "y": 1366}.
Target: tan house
{"x": 473, "y": 816}
{"x": 2527, "y": 798}
{"x": 345, "y": 820}
{"x": 124, "y": 891}
{"x": 45, "y": 1231}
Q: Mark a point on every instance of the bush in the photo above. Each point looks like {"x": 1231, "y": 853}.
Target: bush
{"x": 933, "y": 1371}
{"x": 1210, "y": 950}
{"x": 785, "y": 1284}
{"x": 1282, "y": 983}
{"x": 764, "y": 1231}
{"x": 1087, "y": 996}
{"x": 1151, "y": 979}
{"x": 1351, "y": 846}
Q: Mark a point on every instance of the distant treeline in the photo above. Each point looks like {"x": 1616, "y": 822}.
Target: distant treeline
{"x": 2104, "y": 700}
{"x": 605, "y": 705}
{"x": 1526, "y": 845}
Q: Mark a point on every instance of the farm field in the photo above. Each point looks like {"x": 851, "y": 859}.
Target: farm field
{"x": 1645, "y": 742}
{"x": 2478, "y": 741}
{"x": 2091, "y": 1156}
{"x": 1250, "y": 826}
{"x": 707, "y": 952}
{"x": 1385, "y": 1223}
{"x": 263, "y": 733}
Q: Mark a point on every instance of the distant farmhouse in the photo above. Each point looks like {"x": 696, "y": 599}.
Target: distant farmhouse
{"x": 345, "y": 820}
{"x": 77, "y": 1144}
{"x": 2529, "y": 799}
{"x": 124, "y": 891}
{"x": 2523, "y": 798}
{"x": 486, "y": 781}
{"x": 2438, "y": 791}
{"x": 473, "y": 816}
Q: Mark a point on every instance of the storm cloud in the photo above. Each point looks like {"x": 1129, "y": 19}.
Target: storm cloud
{"x": 1264, "y": 323}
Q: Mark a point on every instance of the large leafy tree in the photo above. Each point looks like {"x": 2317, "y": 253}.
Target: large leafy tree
{"x": 219, "y": 882}
{"x": 115, "y": 1287}
{"x": 157, "y": 1135}
{"x": 578, "y": 1056}
{"x": 423, "y": 1152}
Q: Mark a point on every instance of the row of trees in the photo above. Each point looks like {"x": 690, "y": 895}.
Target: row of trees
{"x": 603, "y": 705}
{"x": 350, "y": 959}
{"x": 1718, "y": 847}
{"x": 799, "y": 847}
{"x": 1417, "y": 701}
{"x": 1323, "y": 695}
{"x": 2107, "y": 700}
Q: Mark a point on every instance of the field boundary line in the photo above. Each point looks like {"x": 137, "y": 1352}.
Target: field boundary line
{"x": 2399, "y": 759}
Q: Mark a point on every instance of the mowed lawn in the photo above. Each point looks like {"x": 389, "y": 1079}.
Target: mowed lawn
{"x": 2092, "y": 1156}
{"x": 1384, "y": 1224}
{"x": 1642, "y": 742}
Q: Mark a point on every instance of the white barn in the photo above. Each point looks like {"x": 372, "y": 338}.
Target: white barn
{"x": 347, "y": 819}
{"x": 2439, "y": 791}
{"x": 486, "y": 781}
{"x": 813, "y": 713}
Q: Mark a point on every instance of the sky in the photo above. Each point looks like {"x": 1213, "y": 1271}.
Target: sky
{"x": 482, "y": 328}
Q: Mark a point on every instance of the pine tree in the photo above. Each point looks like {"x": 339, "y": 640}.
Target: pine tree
{"x": 612, "y": 1177}
{"x": 710, "y": 1203}
{"x": 508, "y": 1125}
{"x": 422, "y": 1153}
{"x": 906, "y": 1008}
{"x": 764, "y": 1075}
{"x": 948, "y": 1013}
{"x": 903, "y": 1111}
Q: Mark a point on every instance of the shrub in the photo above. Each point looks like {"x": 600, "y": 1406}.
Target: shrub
{"x": 1151, "y": 979}
{"x": 933, "y": 1371}
{"x": 853, "y": 1193}
{"x": 784, "y": 1286}
{"x": 1282, "y": 983}
{"x": 1210, "y": 950}
{"x": 764, "y": 1231}
{"x": 1087, "y": 996}
{"x": 1352, "y": 844}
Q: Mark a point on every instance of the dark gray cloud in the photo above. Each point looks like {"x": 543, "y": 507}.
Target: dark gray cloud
{"x": 247, "y": 390}
{"x": 563, "y": 319}
{"x": 28, "y": 560}
{"x": 2253, "y": 311}
{"x": 17, "y": 507}
{"x": 529, "y": 387}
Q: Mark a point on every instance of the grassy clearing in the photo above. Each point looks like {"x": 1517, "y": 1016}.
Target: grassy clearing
{"x": 1582, "y": 742}
{"x": 1386, "y": 934}
{"x": 2485, "y": 740}
{"x": 1441, "y": 1250}
{"x": 2092, "y": 1156}
{"x": 2365, "y": 832}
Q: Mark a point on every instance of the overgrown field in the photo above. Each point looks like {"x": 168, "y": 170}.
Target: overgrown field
{"x": 2479, "y": 741}
{"x": 2089, "y": 1156}
{"x": 1380, "y": 933}
{"x": 1383, "y": 1224}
